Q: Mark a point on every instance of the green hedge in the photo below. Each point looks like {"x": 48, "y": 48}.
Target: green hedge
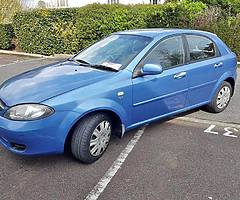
{"x": 6, "y": 36}
{"x": 229, "y": 31}
{"x": 57, "y": 31}
{"x": 96, "y": 21}
{"x": 227, "y": 28}
{"x": 174, "y": 15}
{"x": 47, "y": 31}
{"x": 229, "y": 7}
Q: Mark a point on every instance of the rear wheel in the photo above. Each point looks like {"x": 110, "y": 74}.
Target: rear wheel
{"x": 221, "y": 99}
{"x": 91, "y": 137}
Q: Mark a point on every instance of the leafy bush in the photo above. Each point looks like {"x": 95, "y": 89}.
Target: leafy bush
{"x": 96, "y": 21}
{"x": 210, "y": 16}
{"x": 176, "y": 15}
{"x": 229, "y": 7}
{"x": 47, "y": 31}
{"x": 54, "y": 31}
{"x": 6, "y": 36}
{"x": 228, "y": 29}
{"x": 8, "y": 8}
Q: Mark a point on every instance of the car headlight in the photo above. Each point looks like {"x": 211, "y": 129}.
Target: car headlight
{"x": 28, "y": 112}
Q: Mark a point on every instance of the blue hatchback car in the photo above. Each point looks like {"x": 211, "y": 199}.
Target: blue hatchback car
{"x": 121, "y": 82}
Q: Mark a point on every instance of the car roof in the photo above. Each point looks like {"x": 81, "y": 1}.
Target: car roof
{"x": 156, "y": 32}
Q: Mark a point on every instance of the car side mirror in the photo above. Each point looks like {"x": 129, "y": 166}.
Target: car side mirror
{"x": 151, "y": 69}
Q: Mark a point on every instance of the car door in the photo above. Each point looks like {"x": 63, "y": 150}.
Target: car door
{"x": 204, "y": 63}
{"x": 157, "y": 95}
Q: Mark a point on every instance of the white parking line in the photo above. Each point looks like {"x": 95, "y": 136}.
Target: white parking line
{"x": 22, "y": 61}
{"x": 105, "y": 180}
{"x": 204, "y": 121}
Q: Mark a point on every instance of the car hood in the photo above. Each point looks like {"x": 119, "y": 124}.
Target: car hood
{"x": 43, "y": 83}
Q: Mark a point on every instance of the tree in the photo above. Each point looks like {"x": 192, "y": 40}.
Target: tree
{"x": 7, "y": 10}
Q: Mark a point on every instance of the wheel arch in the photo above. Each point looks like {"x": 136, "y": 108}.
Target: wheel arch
{"x": 229, "y": 77}
{"x": 232, "y": 83}
{"x": 118, "y": 126}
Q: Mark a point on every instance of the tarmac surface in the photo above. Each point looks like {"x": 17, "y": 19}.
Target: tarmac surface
{"x": 192, "y": 159}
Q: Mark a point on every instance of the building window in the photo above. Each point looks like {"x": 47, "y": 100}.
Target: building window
{"x": 113, "y": 1}
{"x": 155, "y": 1}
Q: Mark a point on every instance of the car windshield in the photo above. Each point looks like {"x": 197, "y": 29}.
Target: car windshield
{"x": 115, "y": 51}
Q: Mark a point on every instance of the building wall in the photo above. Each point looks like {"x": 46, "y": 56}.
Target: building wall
{"x": 85, "y": 2}
{"x": 79, "y": 3}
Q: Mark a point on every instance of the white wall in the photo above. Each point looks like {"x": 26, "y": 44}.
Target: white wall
{"x": 73, "y": 3}
{"x": 134, "y": 1}
{"x": 78, "y": 3}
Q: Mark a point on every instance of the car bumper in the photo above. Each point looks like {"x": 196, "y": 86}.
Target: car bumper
{"x": 46, "y": 136}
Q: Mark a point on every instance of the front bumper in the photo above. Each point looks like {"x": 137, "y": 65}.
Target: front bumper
{"x": 46, "y": 136}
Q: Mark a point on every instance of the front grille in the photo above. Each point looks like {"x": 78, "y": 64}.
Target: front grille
{"x": 1, "y": 105}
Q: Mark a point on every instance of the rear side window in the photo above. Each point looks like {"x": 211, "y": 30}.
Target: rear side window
{"x": 168, "y": 53}
{"x": 200, "y": 47}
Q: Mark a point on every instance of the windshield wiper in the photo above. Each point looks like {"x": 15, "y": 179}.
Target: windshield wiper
{"x": 103, "y": 67}
{"x": 85, "y": 63}
{"x": 79, "y": 61}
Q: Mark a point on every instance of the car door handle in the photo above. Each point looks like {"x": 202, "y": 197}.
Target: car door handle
{"x": 180, "y": 75}
{"x": 218, "y": 65}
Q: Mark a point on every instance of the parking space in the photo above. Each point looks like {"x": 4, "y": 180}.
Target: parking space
{"x": 230, "y": 115}
{"x": 194, "y": 157}
{"x": 8, "y": 59}
{"x": 178, "y": 160}
{"x": 12, "y": 67}
{"x": 53, "y": 177}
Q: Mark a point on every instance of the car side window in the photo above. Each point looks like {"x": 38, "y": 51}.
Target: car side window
{"x": 168, "y": 53}
{"x": 200, "y": 47}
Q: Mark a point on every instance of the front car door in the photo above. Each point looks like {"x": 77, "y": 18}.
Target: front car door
{"x": 204, "y": 62}
{"x": 158, "y": 95}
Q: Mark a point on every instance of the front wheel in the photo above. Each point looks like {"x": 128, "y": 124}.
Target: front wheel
{"x": 91, "y": 137}
{"x": 221, "y": 99}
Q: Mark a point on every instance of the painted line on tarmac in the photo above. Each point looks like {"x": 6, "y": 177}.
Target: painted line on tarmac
{"x": 204, "y": 121}
{"x": 22, "y": 61}
{"x": 105, "y": 180}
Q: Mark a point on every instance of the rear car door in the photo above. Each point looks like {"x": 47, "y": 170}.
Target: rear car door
{"x": 204, "y": 63}
{"x": 158, "y": 95}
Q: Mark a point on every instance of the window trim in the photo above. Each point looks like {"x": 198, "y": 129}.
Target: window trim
{"x": 188, "y": 61}
{"x": 138, "y": 67}
{"x": 186, "y": 52}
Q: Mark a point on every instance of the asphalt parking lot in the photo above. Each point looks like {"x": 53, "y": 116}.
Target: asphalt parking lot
{"x": 192, "y": 157}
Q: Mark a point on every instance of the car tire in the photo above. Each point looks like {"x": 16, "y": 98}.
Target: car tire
{"x": 221, "y": 99}
{"x": 85, "y": 136}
